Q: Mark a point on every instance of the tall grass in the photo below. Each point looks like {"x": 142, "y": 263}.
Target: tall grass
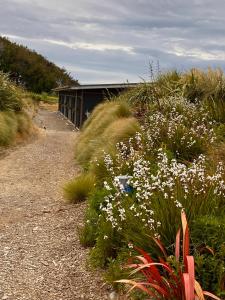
{"x": 109, "y": 124}
{"x": 10, "y": 95}
{"x": 8, "y": 128}
{"x": 197, "y": 86}
{"x": 13, "y": 119}
{"x": 78, "y": 189}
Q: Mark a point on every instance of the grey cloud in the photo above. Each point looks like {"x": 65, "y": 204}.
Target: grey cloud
{"x": 163, "y": 30}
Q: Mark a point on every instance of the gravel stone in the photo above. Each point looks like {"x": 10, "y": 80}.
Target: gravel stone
{"x": 40, "y": 254}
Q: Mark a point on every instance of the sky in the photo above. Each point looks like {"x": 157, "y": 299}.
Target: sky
{"x": 103, "y": 41}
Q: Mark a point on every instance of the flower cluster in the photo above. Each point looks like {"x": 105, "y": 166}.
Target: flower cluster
{"x": 166, "y": 182}
{"x": 181, "y": 126}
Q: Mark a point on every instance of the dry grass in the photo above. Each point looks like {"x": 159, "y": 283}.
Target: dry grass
{"x": 109, "y": 123}
{"x": 48, "y": 106}
{"x": 78, "y": 189}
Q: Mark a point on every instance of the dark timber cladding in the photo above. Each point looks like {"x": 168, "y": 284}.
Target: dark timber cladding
{"x": 76, "y": 103}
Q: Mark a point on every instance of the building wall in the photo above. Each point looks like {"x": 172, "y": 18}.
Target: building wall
{"x": 76, "y": 105}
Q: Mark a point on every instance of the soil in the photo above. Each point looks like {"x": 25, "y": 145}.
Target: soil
{"x": 40, "y": 254}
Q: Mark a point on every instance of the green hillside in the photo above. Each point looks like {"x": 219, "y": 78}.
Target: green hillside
{"x": 30, "y": 69}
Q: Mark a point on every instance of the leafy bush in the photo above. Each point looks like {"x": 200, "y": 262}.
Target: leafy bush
{"x": 208, "y": 237}
{"x": 78, "y": 189}
{"x": 88, "y": 233}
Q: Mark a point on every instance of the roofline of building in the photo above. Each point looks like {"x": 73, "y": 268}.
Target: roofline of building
{"x": 96, "y": 86}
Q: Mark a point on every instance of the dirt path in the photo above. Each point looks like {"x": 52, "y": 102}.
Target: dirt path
{"x": 40, "y": 255}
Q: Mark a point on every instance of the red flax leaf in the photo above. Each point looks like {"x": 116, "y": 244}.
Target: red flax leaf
{"x": 147, "y": 272}
{"x": 185, "y": 234}
{"x": 174, "y": 282}
{"x": 177, "y": 246}
{"x": 154, "y": 271}
{"x": 151, "y": 276}
{"x": 187, "y": 293}
{"x": 160, "y": 245}
{"x": 190, "y": 266}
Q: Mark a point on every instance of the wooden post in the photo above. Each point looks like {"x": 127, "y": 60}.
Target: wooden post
{"x": 81, "y": 107}
{"x": 75, "y": 114}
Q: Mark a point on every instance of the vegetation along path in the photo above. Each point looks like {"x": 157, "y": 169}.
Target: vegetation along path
{"x": 40, "y": 254}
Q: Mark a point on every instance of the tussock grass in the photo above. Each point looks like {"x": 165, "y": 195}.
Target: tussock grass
{"x": 24, "y": 123}
{"x": 8, "y": 128}
{"x": 10, "y": 95}
{"x": 78, "y": 189}
{"x": 13, "y": 119}
{"x": 119, "y": 130}
{"x": 110, "y": 123}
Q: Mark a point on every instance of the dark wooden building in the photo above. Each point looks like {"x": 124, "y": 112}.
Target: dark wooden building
{"x": 77, "y": 102}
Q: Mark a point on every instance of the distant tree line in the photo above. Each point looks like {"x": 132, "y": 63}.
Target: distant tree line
{"x": 30, "y": 69}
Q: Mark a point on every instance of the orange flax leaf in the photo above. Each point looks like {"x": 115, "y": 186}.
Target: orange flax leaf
{"x": 159, "y": 289}
{"x": 150, "y": 265}
{"x": 177, "y": 246}
{"x": 210, "y": 250}
{"x": 139, "y": 286}
{"x": 211, "y": 295}
{"x": 185, "y": 234}
{"x": 142, "y": 259}
{"x": 199, "y": 291}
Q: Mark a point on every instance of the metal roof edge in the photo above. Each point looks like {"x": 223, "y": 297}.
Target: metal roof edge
{"x": 96, "y": 86}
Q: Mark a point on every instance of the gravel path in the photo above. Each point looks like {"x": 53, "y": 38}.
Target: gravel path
{"x": 40, "y": 254}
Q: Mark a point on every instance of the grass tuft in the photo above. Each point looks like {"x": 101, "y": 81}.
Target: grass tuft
{"x": 78, "y": 189}
{"x": 110, "y": 123}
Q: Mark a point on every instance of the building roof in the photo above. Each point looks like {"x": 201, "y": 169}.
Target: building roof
{"x": 96, "y": 86}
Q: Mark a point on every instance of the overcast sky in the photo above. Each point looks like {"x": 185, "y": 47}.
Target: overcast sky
{"x": 114, "y": 41}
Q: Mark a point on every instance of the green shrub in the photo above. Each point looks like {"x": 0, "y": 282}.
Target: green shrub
{"x": 108, "y": 243}
{"x": 78, "y": 189}
{"x": 209, "y": 231}
{"x": 88, "y": 233}
{"x": 213, "y": 234}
